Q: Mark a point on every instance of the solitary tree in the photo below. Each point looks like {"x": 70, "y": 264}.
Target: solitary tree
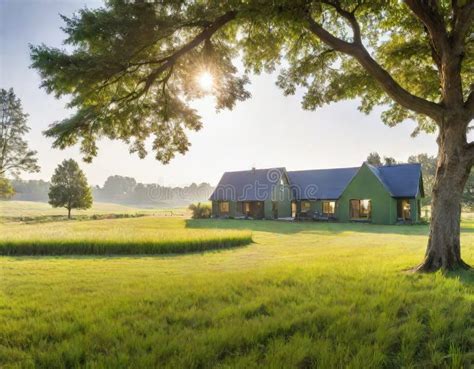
{"x": 134, "y": 68}
{"x": 69, "y": 188}
{"x": 15, "y": 156}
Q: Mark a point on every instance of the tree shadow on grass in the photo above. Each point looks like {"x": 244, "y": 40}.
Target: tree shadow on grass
{"x": 463, "y": 275}
{"x": 284, "y": 227}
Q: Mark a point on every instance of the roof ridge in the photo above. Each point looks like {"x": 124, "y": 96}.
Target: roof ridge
{"x": 312, "y": 170}
{"x": 250, "y": 170}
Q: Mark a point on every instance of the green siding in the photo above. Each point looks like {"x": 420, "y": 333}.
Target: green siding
{"x": 365, "y": 185}
{"x": 232, "y": 209}
{"x": 281, "y": 194}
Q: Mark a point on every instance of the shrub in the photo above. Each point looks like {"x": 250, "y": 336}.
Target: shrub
{"x": 200, "y": 211}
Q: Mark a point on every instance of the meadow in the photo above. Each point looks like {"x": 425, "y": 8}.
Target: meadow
{"x": 302, "y": 295}
{"x": 107, "y": 234}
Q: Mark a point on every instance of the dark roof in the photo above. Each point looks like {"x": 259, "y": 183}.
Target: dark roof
{"x": 324, "y": 184}
{"x": 401, "y": 180}
{"x": 247, "y": 185}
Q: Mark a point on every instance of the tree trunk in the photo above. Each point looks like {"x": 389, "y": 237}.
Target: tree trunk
{"x": 444, "y": 246}
{"x": 69, "y": 213}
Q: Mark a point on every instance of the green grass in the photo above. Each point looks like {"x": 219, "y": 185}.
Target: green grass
{"x": 301, "y": 296}
{"x": 150, "y": 235}
{"x": 28, "y": 209}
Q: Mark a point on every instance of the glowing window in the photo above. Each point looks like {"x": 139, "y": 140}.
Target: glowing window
{"x": 224, "y": 207}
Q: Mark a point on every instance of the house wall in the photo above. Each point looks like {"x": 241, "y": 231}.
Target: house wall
{"x": 282, "y": 195}
{"x": 216, "y": 211}
{"x": 365, "y": 185}
{"x": 316, "y": 205}
{"x": 415, "y": 212}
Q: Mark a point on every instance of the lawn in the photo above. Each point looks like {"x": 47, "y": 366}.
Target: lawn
{"x": 301, "y": 296}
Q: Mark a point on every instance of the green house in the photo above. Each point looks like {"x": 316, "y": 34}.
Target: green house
{"x": 255, "y": 193}
{"x": 380, "y": 195}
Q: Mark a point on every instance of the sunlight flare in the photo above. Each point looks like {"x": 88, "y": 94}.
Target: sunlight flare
{"x": 205, "y": 81}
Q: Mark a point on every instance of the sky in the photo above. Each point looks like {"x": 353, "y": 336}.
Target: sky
{"x": 268, "y": 130}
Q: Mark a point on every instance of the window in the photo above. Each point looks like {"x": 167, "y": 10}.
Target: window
{"x": 246, "y": 207}
{"x": 360, "y": 209}
{"x": 403, "y": 209}
{"x": 329, "y": 207}
{"x": 224, "y": 207}
{"x": 305, "y": 206}
{"x": 293, "y": 209}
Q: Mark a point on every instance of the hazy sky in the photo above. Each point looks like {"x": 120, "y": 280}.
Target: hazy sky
{"x": 267, "y": 130}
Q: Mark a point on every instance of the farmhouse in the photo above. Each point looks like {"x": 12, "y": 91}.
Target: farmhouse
{"x": 377, "y": 194}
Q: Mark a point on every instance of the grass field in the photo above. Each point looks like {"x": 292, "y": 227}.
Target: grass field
{"x": 147, "y": 235}
{"x": 301, "y": 296}
{"x": 21, "y": 209}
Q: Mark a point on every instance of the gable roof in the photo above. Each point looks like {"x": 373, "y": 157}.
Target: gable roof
{"x": 323, "y": 184}
{"x": 247, "y": 185}
{"x": 400, "y": 180}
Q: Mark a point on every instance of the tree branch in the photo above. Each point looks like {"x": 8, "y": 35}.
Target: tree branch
{"x": 349, "y": 16}
{"x": 469, "y": 104}
{"x": 169, "y": 61}
{"x": 204, "y": 35}
{"x": 463, "y": 19}
{"x": 428, "y": 13}
{"x": 384, "y": 79}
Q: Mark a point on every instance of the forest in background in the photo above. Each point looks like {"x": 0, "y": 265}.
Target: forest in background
{"x": 122, "y": 190}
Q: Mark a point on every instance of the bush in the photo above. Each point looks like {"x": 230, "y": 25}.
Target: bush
{"x": 200, "y": 211}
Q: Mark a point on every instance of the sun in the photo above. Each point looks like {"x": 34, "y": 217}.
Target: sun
{"x": 205, "y": 81}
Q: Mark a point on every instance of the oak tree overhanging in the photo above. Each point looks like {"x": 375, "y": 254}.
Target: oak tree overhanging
{"x": 131, "y": 75}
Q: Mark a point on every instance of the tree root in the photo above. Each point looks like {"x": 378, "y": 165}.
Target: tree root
{"x": 430, "y": 266}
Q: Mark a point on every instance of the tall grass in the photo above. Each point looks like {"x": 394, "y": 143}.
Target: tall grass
{"x": 119, "y": 247}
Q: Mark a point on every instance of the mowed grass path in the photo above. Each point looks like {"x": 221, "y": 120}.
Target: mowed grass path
{"x": 302, "y": 296}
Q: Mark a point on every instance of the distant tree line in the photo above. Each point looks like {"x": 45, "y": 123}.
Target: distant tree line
{"x": 428, "y": 166}
{"x": 122, "y": 190}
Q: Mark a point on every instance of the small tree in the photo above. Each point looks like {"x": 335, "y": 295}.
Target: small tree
{"x": 6, "y": 189}
{"x": 69, "y": 188}
{"x": 388, "y": 160}
{"x": 374, "y": 159}
{"x": 15, "y": 156}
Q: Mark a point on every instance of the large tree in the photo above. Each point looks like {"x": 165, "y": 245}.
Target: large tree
{"x": 15, "y": 156}
{"x": 69, "y": 188}
{"x": 134, "y": 64}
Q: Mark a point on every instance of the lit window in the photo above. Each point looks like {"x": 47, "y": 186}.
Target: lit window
{"x": 403, "y": 209}
{"x": 305, "y": 206}
{"x": 224, "y": 207}
{"x": 329, "y": 207}
{"x": 364, "y": 208}
{"x": 360, "y": 209}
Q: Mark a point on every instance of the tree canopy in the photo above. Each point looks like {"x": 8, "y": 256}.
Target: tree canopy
{"x": 15, "y": 156}
{"x": 134, "y": 65}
